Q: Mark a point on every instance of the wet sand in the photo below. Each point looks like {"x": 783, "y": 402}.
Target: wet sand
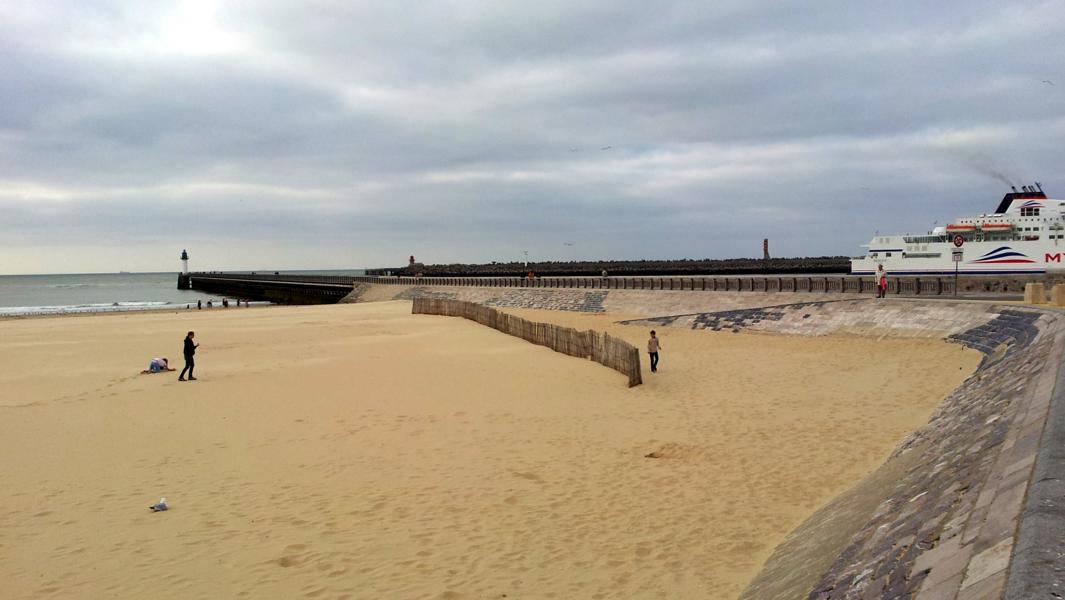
{"x": 359, "y": 451}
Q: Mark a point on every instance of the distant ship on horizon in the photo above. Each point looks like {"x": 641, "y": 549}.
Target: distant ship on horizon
{"x": 1025, "y": 235}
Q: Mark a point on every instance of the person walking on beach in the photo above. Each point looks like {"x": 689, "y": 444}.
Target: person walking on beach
{"x": 652, "y": 348}
{"x": 881, "y": 282}
{"x": 189, "y": 352}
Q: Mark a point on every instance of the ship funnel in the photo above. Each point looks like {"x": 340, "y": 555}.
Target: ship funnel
{"x": 1025, "y": 188}
{"x": 1014, "y": 188}
{"x": 1039, "y": 185}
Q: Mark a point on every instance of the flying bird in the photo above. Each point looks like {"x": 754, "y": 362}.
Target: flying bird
{"x": 566, "y": 244}
{"x": 1048, "y": 81}
{"x": 572, "y": 149}
{"x": 606, "y": 147}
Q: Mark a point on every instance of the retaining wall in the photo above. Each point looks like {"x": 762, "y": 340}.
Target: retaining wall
{"x": 625, "y": 302}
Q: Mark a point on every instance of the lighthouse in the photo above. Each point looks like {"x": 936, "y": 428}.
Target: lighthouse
{"x": 184, "y": 281}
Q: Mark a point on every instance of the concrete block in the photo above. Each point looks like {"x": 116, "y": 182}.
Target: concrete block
{"x": 1035, "y": 293}
{"x": 1057, "y": 294}
{"x": 992, "y": 561}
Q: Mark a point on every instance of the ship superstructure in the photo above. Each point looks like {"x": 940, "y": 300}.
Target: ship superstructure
{"x": 1025, "y": 235}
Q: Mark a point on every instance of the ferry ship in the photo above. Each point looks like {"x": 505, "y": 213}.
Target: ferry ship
{"x": 1025, "y": 235}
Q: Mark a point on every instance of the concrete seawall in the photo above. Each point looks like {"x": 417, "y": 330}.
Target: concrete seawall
{"x": 969, "y": 507}
{"x": 909, "y": 285}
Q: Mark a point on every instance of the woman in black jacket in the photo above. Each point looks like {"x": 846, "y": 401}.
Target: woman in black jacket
{"x": 189, "y": 352}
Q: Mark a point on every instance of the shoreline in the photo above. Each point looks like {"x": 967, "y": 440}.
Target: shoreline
{"x": 120, "y": 311}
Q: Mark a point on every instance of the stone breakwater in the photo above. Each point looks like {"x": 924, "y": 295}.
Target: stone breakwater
{"x": 628, "y": 302}
{"x": 969, "y": 507}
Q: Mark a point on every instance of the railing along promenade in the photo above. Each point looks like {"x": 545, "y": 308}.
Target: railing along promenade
{"x": 284, "y": 289}
{"x": 302, "y": 289}
{"x": 817, "y": 284}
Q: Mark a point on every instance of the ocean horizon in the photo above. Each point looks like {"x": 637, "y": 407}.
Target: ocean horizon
{"x": 48, "y": 294}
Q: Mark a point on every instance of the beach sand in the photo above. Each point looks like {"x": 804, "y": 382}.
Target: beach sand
{"x": 359, "y": 451}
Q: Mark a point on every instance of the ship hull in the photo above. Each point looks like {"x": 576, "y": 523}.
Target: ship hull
{"x": 1016, "y": 257}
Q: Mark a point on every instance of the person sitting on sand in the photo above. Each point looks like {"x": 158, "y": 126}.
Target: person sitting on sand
{"x": 157, "y": 365}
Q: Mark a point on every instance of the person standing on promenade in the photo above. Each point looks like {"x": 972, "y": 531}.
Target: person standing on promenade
{"x": 189, "y": 352}
{"x": 881, "y": 282}
{"x": 652, "y": 348}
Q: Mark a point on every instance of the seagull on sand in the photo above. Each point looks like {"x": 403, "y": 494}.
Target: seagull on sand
{"x": 159, "y": 506}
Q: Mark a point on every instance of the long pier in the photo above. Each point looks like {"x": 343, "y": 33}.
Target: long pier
{"x": 282, "y": 289}
{"x": 328, "y": 289}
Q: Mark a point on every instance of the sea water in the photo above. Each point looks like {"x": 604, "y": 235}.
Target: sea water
{"x": 104, "y": 292}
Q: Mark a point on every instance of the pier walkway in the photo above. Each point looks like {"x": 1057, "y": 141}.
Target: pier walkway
{"x": 325, "y": 289}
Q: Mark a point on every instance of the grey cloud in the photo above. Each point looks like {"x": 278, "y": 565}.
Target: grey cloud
{"x": 474, "y": 129}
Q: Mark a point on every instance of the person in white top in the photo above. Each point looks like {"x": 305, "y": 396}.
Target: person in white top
{"x": 157, "y": 365}
{"x": 653, "y": 346}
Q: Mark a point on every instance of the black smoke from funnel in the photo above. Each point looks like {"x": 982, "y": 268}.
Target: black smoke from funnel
{"x": 983, "y": 165}
{"x": 990, "y": 172}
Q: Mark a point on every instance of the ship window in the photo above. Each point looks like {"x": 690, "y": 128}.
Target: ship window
{"x": 887, "y": 254}
{"x": 874, "y": 255}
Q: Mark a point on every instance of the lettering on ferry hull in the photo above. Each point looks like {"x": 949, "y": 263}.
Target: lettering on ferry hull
{"x": 1053, "y": 257}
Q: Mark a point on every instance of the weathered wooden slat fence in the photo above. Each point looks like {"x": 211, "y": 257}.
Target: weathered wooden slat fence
{"x": 603, "y": 348}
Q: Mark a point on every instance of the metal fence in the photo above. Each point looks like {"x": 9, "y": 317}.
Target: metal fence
{"x": 931, "y": 285}
{"x": 603, "y": 348}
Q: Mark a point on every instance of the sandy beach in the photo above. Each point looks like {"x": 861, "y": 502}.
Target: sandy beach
{"x": 358, "y": 451}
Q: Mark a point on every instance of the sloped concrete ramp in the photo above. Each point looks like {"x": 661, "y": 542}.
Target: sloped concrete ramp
{"x": 968, "y": 503}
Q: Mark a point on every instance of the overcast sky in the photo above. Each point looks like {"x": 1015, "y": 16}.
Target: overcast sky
{"x": 339, "y": 134}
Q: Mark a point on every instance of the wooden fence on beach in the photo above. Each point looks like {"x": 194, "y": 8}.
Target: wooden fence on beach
{"x": 603, "y": 348}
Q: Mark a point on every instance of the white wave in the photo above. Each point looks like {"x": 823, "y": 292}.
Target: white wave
{"x": 82, "y": 308}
